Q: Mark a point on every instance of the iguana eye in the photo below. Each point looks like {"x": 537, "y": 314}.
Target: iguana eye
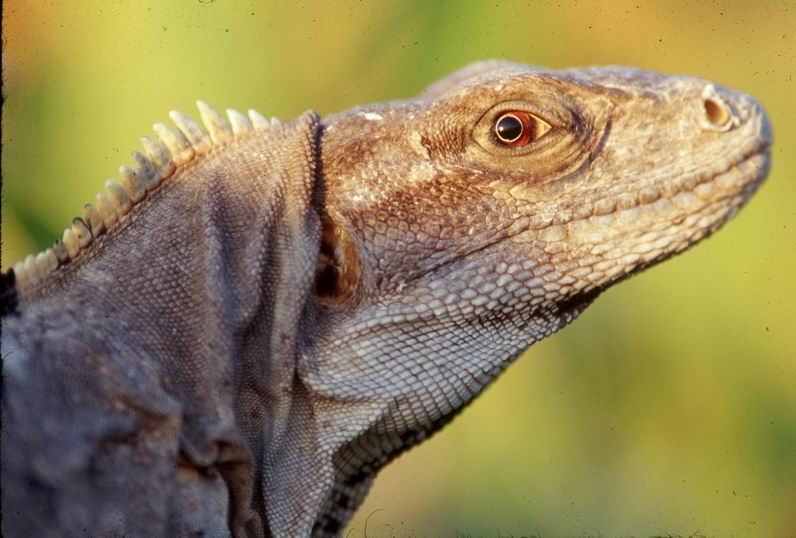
{"x": 516, "y": 129}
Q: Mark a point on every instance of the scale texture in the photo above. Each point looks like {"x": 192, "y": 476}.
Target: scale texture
{"x": 260, "y": 315}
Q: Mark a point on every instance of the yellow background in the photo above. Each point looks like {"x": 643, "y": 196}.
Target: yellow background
{"x": 668, "y": 408}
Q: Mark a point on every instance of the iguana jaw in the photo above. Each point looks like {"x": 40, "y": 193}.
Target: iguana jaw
{"x": 627, "y": 241}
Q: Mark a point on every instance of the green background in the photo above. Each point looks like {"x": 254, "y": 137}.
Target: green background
{"x": 668, "y": 408}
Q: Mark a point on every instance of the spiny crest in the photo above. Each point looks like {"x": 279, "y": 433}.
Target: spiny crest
{"x": 162, "y": 156}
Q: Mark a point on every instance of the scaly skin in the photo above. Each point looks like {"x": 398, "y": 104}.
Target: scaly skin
{"x": 438, "y": 254}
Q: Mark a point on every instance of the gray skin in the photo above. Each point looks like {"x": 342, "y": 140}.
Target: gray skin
{"x": 290, "y": 307}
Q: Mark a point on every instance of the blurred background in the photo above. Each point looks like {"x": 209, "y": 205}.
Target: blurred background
{"x": 668, "y": 408}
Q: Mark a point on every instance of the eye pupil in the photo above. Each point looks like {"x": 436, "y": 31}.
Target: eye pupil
{"x": 517, "y": 129}
{"x": 509, "y": 128}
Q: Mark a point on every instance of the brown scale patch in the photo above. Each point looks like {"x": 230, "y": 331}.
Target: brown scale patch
{"x": 338, "y": 272}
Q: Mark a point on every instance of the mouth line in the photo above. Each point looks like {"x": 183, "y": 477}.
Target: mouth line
{"x": 648, "y": 195}
{"x": 682, "y": 187}
{"x": 745, "y": 184}
{"x": 706, "y": 187}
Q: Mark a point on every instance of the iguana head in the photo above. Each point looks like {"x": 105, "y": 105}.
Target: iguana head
{"x": 507, "y": 189}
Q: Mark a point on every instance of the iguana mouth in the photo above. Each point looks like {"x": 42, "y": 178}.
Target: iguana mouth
{"x": 648, "y": 195}
{"x": 674, "y": 224}
{"x": 748, "y": 184}
{"x": 743, "y": 177}
{"x": 708, "y": 188}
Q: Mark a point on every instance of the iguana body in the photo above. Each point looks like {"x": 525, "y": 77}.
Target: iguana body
{"x": 284, "y": 308}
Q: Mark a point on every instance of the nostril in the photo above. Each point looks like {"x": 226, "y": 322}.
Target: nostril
{"x": 717, "y": 113}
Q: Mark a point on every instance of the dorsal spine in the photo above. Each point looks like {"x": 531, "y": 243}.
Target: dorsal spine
{"x": 165, "y": 154}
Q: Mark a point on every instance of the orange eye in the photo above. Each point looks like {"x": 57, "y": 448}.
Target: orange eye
{"x": 517, "y": 129}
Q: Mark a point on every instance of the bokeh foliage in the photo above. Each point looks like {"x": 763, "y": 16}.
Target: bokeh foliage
{"x": 668, "y": 408}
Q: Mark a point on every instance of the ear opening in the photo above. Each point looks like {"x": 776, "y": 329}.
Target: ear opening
{"x": 338, "y": 272}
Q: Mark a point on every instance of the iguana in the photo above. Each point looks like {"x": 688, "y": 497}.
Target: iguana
{"x": 262, "y": 314}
